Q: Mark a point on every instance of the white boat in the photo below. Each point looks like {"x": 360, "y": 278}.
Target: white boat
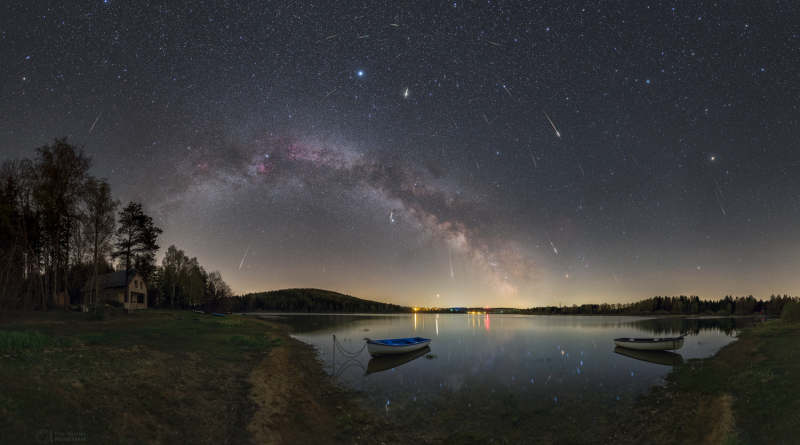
{"x": 651, "y": 344}
{"x": 378, "y": 348}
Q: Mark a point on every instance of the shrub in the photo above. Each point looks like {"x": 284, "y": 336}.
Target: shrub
{"x": 709, "y": 312}
{"x": 791, "y": 312}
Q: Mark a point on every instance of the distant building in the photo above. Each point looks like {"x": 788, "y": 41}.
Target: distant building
{"x": 117, "y": 286}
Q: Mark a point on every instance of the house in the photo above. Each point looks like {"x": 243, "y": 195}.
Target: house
{"x": 118, "y": 286}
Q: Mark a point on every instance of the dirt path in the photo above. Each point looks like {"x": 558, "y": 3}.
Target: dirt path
{"x": 287, "y": 389}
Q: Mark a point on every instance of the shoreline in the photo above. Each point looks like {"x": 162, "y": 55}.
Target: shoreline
{"x": 120, "y": 378}
{"x": 746, "y": 393}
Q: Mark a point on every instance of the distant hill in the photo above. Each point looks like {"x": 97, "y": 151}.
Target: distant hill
{"x": 312, "y": 300}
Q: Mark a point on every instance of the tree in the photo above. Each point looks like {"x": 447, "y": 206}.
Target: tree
{"x": 61, "y": 171}
{"x": 98, "y": 224}
{"x": 136, "y": 235}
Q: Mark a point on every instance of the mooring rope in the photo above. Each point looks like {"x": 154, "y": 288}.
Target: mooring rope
{"x": 344, "y": 351}
{"x": 347, "y": 365}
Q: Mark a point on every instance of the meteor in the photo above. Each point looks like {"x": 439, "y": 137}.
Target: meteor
{"x": 551, "y": 123}
{"x": 451, "y": 263}
{"x": 331, "y": 92}
{"x": 720, "y": 205}
{"x": 405, "y": 95}
{"x": 637, "y": 162}
{"x": 335, "y": 35}
{"x": 95, "y": 121}
{"x": 509, "y": 93}
{"x": 245, "y": 255}
{"x": 533, "y": 159}
{"x": 551, "y": 243}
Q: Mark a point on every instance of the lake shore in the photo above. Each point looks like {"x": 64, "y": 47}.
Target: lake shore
{"x": 166, "y": 377}
{"x": 748, "y": 393}
{"x": 175, "y": 376}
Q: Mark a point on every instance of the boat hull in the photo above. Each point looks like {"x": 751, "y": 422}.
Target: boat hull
{"x": 380, "y": 348}
{"x": 650, "y": 344}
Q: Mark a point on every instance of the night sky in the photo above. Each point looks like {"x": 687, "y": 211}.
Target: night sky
{"x": 483, "y": 153}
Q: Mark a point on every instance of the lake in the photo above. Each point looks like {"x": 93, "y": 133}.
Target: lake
{"x": 505, "y": 377}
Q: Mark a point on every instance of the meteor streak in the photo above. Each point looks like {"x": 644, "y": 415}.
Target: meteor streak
{"x": 551, "y": 123}
{"x": 331, "y": 92}
{"x": 335, "y": 35}
{"x": 95, "y": 122}
{"x": 720, "y": 205}
{"x": 637, "y": 162}
{"x": 245, "y": 255}
{"x": 509, "y": 93}
{"x": 615, "y": 278}
{"x": 451, "y": 263}
{"x": 720, "y": 190}
{"x": 405, "y": 95}
{"x": 484, "y": 118}
{"x": 551, "y": 243}
{"x": 548, "y": 379}
{"x": 495, "y": 44}
{"x": 533, "y": 159}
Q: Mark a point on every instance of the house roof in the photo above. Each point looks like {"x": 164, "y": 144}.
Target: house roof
{"x": 113, "y": 279}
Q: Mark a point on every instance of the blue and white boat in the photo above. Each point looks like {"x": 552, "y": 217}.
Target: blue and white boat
{"x": 378, "y": 348}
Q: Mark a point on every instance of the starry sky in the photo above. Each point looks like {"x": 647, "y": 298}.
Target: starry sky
{"x": 434, "y": 153}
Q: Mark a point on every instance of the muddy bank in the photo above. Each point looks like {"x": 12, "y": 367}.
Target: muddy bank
{"x": 748, "y": 393}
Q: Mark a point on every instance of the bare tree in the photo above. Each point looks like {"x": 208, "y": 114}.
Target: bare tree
{"x": 98, "y": 226}
{"x": 61, "y": 171}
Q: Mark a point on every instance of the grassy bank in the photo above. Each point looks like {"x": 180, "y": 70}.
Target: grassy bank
{"x": 748, "y": 393}
{"x": 152, "y": 377}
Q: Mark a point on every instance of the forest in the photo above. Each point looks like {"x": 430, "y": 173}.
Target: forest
{"x": 681, "y": 305}
{"x": 311, "y": 300}
{"x": 60, "y": 227}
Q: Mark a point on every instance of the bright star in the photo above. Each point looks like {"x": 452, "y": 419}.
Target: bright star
{"x": 360, "y": 73}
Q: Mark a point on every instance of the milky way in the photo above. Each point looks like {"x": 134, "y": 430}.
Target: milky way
{"x": 526, "y": 155}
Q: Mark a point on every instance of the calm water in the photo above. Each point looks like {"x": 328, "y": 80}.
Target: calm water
{"x": 506, "y": 377}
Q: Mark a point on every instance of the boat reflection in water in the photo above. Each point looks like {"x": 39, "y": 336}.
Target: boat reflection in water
{"x": 378, "y": 364}
{"x": 657, "y": 357}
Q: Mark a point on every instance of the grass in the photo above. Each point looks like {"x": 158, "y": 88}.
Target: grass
{"x": 144, "y": 378}
{"x": 746, "y": 394}
{"x": 18, "y": 342}
{"x": 234, "y": 322}
{"x": 255, "y": 342}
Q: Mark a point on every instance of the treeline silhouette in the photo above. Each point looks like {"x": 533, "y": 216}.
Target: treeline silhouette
{"x": 59, "y": 230}
{"x": 682, "y": 305}
{"x": 311, "y": 300}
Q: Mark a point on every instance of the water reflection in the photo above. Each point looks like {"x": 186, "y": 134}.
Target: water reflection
{"x": 657, "y": 357}
{"x": 528, "y": 376}
{"x": 378, "y": 364}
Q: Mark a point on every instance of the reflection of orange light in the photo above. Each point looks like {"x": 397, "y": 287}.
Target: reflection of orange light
{"x": 487, "y": 322}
